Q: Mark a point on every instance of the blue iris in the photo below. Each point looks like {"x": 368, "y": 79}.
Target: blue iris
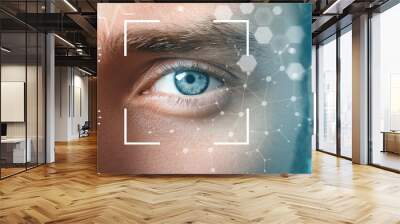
{"x": 191, "y": 82}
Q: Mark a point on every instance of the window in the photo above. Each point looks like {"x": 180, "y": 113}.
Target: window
{"x": 327, "y": 96}
{"x": 385, "y": 89}
{"x": 346, "y": 92}
{"x": 394, "y": 101}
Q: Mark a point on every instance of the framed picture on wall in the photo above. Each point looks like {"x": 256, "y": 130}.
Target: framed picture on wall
{"x": 12, "y": 101}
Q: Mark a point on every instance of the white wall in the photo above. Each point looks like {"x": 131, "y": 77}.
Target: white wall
{"x": 71, "y": 92}
{"x": 62, "y": 81}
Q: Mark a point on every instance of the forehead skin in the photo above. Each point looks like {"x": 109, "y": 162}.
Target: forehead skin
{"x": 111, "y": 16}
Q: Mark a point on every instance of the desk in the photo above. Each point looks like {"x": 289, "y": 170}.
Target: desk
{"x": 391, "y": 141}
{"x": 13, "y": 150}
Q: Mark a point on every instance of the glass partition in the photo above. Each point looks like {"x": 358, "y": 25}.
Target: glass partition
{"x": 22, "y": 91}
{"x": 14, "y": 155}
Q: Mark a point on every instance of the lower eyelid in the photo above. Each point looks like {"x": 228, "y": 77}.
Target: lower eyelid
{"x": 185, "y": 106}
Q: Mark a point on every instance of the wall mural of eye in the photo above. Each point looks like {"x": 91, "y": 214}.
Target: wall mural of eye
{"x": 188, "y": 88}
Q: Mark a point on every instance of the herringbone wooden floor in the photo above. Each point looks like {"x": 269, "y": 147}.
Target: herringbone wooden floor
{"x": 70, "y": 191}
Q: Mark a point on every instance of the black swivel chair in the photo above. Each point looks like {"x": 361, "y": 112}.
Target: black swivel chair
{"x": 84, "y": 130}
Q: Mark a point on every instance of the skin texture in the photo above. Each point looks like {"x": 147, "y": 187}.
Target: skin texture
{"x": 186, "y": 126}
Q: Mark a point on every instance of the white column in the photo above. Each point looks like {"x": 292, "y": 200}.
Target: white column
{"x": 360, "y": 90}
{"x": 63, "y": 99}
{"x": 50, "y": 98}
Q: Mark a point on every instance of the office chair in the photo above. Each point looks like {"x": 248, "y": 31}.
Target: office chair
{"x": 84, "y": 130}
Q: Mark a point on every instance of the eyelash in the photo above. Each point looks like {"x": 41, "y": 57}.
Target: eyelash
{"x": 178, "y": 64}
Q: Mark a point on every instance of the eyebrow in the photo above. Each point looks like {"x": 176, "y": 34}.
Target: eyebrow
{"x": 195, "y": 37}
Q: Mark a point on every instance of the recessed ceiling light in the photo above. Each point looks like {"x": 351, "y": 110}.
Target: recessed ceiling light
{"x": 70, "y": 5}
{"x": 64, "y": 40}
{"x": 5, "y": 50}
{"x": 84, "y": 71}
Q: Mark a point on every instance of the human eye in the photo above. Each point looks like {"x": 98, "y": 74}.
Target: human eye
{"x": 185, "y": 87}
{"x": 187, "y": 81}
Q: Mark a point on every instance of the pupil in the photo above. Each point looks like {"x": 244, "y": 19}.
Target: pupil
{"x": 190, "y": 78}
